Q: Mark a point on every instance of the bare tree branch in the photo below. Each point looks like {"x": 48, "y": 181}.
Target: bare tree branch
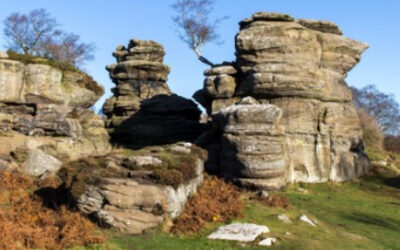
{"x": 36, "y": 34}
{"x": 381, "y": 106}
{"x": 193, "y": 27}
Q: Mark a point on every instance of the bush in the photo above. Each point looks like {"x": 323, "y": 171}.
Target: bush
{"x": 392, "y": 143}
{"x": 64, "y": 66}
{"x": 372, "y": 133}
{"x": 26, "y": 221}
{"x": 215, "y": 201}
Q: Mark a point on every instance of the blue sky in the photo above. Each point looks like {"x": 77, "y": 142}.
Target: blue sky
{"x": 110, "y": 23}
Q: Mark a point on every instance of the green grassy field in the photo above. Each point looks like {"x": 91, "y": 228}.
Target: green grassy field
{"x": 356, "y": 215}
{"x": 363, "y": 214}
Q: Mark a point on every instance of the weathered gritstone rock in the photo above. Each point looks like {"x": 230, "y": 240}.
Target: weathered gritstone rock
{"x": 244, "y": 232}
{"x": 143, "y": 110}
{"x": 253, "y": 144}
{"x": 299, "y": 66}
{"x": 44, "y": 109}
{"x": 127, "y": 192}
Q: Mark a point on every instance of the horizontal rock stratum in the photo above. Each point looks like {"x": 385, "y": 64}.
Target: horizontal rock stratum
{"x": 45, "y": 117}
{"x": 143, "y": 111}
{"x": 299, "y": 66}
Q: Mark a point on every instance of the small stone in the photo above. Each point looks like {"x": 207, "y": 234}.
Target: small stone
{"x": 248, "y": 101}
{"x": 145, "y": 160}
{"x": 239, "y": 231}
{"x": 219, "y": 70}
{"x": 262, "y": 194}
{"x": 284, "y": 218}
{"x": 268, "y": 242}
{"x": 182, "y": 147}
{"x": 302, "y": 190}
{"x": 307, "y": 220}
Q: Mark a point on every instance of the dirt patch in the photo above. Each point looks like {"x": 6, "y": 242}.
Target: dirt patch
{"x": 274, "y": 200}
{"x": 216, "y": 201}
{"x": 26, "y": 221}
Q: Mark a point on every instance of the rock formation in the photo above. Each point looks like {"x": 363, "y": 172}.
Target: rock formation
{"x": 45, "y": 117}
{"x": 299, "y": 66}
{"x": 253, "y": 143}
{"x": 137, "y": 192}
{"x": 143, "y": 110}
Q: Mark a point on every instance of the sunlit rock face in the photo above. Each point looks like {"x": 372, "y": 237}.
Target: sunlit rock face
{"x": 300, "y": 67}
{"x": 143, "y": 110}
{"x": 44, "y": 114}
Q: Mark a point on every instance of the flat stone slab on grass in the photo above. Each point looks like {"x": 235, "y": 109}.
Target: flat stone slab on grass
{"x": 307, "y": 220}
{"x": 268, "y": 242}
{"x": 239, "y": 231}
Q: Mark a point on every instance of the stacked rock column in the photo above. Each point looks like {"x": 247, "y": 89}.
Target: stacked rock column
{"x": 253, "y": 149}
{"x": 143, "y": 110}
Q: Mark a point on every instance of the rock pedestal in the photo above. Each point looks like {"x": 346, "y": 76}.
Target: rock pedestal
{"x": 299, "y": 66}
{"x": 143, "y": 110}
{"x": 45, "y": 115}
{"x": 253, "y": 144}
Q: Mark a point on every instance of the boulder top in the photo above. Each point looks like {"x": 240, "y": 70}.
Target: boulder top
{"x": 319, "y": 25}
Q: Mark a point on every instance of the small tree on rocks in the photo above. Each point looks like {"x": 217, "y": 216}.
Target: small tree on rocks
{"x": 193, "y": 25}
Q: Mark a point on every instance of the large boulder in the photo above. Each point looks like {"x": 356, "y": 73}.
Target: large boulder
{"x": 138, "y": 192}
{"x": 45, "y": 111}
{"x": 39, "y": 163}
{"x": 143, "y": 110}
{"x": 299, "y": 66}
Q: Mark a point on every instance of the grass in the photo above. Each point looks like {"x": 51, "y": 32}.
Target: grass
{"x": 362, "y": 214}
{"x": 29, "y": 59}
{"x": 354, "y": 215}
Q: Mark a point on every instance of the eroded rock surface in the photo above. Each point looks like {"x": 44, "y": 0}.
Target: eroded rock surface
{"x": 138, "y": 192}
{"x": 143, "y": 110}
{"x": 253, "y": 144}
{"x": 300, "y": 67}
{"x": 44, "y": 113}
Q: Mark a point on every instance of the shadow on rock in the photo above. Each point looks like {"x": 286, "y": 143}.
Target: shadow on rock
{"x": 162, "y": 119}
